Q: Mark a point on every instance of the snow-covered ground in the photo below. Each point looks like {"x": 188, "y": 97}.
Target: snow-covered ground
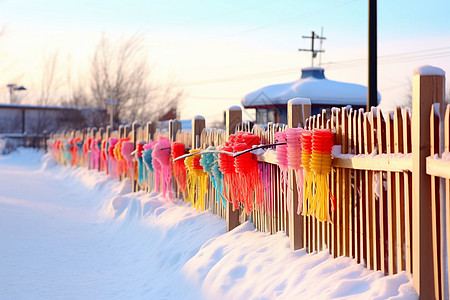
{"x": 69, "y": 233}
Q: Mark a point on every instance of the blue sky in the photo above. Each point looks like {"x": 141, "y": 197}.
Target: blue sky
{"x": 205, "y": 41}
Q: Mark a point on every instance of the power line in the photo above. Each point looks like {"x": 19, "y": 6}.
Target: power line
{"x": 384, "y": 59}
{"x": 281, "y": 21}
{"x": 388, "y": 56}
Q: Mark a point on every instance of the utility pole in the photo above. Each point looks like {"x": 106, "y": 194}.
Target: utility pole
{"x": 312, "y": 50}
{"x": 372, "y": 94}
{"x": 320, "y": 49}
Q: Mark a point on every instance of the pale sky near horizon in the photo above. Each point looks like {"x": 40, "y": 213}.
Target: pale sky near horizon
{"x": 221, "y": 50}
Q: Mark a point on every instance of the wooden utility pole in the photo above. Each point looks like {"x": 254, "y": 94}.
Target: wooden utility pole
{"x": 313, "y": 51}
{"x": 372, "y": 93}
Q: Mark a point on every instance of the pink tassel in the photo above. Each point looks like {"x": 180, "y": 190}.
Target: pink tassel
{"x": 127, "y": 148}
{"x": 161, "y": 158}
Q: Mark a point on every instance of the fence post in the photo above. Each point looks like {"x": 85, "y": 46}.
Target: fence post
{"x": 91, "y": 155}
{"x": 150, "y": 131}
{"x": 428, "y": 88}
{"x": 296, "y": 115}
{"x": 108, "y": 132}
{"x": 101, "y": 131}
{"x": 121, "y": 130}
{"x": 198, "y": 124}
{"x": 174, "y": 127}
{"x": 126, "y": 130}
{"x": 233, "y": 118}
{"x": 134, "y": 129}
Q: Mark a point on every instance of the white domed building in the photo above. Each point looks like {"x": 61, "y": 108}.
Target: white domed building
{"x": 270, "y": 101}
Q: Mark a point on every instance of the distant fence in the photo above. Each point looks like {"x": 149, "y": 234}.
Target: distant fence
{"x": 390, "y": 179}
{"x": 10, "y": 142}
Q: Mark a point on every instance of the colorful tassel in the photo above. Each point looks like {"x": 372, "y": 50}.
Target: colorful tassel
{"x": 197, "y": 184}
{"x": 322, "y": 142}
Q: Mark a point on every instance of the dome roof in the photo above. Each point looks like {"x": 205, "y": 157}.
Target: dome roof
{"x": 312, "y": 85}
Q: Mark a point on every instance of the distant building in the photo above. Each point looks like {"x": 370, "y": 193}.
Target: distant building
{"x": 270, "y": 102}
{"x": 170, "y": 115}
{"x": 34, "y": 119}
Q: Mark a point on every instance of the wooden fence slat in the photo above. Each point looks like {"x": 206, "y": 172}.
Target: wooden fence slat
{"x": 447, "y": 193}
{"x": 333, "y": 229}
{"x": 381, "y": 227}
{"x": 338, "y": 189}
{"x": 435, "y": 200}
{"x": 356, "y": 203}
{"x": 408, "y": 192}
{"x": 349, "y": 194}
{"x": 362, "y": 196}
{"x": 390, "y": 201}
{"x": 345, "y": 187}
{"x": 368, "y": 148}
{"x": 400, "y": 192}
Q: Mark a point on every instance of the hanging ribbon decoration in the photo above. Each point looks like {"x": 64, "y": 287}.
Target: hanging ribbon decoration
{"x": 95, "y": 154}
{"x": 161, "y": 162}
{"x": 282, "y": 162}
{"x": 67, "y": 152}
{"x": 147, "y": 158}
{"x": 308, "y": 188}
{"x": 104, "y": 156}
{"x": 79, "y": 145}
{"x": 128, "y": 158}
{"x": 86, "y": 155}
{"x": 197, "y": 184}
{"x": 281, "y": 154}
{"x": 140, "y": 161}
{"x": 210, "y": 164}
{"x": 179, "y": 167}
{"x": 121, "y": 163}
{"x": 112, "y": 158}
{"x": 322, "y": 142}
{"x": 226, "y": 166}
{"x": 241, "y": 173}
{"x": 294, "y": 158}
{"x": 75, "y": 151}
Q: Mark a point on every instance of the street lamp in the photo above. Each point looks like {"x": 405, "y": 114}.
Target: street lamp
{"x": 13, "y": 87}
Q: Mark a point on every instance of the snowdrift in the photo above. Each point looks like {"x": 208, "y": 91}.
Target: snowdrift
{"x": 70, "y": 233}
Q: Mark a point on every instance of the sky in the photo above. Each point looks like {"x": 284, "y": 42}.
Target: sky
{"x": 218, "y": 51}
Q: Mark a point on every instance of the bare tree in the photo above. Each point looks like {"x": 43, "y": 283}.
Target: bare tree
{"x": 49, "y": 82}
{"x": 120, "y": 70}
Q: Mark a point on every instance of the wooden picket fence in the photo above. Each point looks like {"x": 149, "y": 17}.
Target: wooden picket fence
{"x": 390, "y": 180}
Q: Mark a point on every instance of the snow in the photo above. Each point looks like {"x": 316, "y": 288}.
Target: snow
{"x": 299, "y": 101}
{"x": 234, "y": 108}
{"x": 427, "y": 70}
{"x": 199, "y": 117}
{"x": 70, "y": 233}
{"x": 318, "y": 89}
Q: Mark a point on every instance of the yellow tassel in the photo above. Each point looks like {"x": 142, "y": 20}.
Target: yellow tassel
{"x": 321, "y": 166}
{"x": 197, "y": 183}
